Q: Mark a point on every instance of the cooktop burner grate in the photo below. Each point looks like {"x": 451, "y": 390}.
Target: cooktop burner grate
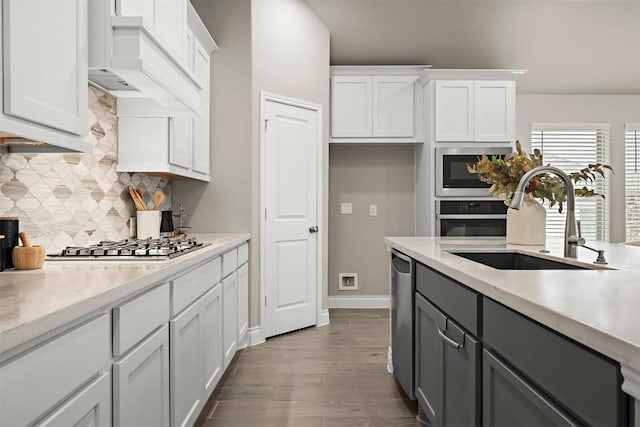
{"x": 136, "y": 249}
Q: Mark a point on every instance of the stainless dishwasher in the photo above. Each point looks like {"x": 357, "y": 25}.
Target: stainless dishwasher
{"x": 402, "y": 301}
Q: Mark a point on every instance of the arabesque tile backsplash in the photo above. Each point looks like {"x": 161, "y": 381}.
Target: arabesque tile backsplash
{"x": 75, "y": 199}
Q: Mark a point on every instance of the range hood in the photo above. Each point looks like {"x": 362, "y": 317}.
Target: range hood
{"x": 127, "y": 60}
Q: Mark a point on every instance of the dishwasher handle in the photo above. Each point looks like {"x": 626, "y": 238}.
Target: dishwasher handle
{"x": 400, "y": 262}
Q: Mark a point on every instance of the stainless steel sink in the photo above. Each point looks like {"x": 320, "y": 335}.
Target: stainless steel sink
{"x": 516, "y": 261}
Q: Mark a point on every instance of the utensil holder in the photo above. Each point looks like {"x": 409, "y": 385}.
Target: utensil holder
{"x": 148, "y": 224}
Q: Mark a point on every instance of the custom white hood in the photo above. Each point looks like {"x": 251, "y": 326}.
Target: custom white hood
{"x": 128, "y": 58}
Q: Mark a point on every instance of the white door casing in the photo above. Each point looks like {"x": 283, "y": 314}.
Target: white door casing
{"x": 290, "y": 207}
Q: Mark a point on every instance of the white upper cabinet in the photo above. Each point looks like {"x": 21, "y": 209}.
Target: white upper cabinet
{"x": 181, "y": 141}
{"x": 43, "y": 67}
{"x": 351, "y": 106}
{"x": 474, "y": 110}
{"x": 454, "y": 110}
{"x": 393, "y": 105}
{"x": 160, "y": 145}
{"x": 166, "y": 19}
{"x": 153, "y": 140}
{"x": 171, "y": 24}
{"x": 495, "y": 110}
{"x": 376, "y": 104}
{"x": 201, "y": 141}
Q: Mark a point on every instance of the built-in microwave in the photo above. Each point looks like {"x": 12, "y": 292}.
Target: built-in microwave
{"x": 452, "y": 177}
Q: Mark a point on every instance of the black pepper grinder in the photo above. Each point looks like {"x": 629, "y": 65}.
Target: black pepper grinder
{"x": 1, "y": 252}
{"x": 9, "y": 227}
{"x": 166, "y": 224}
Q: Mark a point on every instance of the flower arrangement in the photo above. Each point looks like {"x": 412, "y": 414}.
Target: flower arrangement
{"x": 504, "y": 174}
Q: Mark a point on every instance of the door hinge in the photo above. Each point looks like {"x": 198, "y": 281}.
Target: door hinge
{"x": 265, "y": 214}
{"x": 265, "y": 300}
{"x": 265, "y": 124}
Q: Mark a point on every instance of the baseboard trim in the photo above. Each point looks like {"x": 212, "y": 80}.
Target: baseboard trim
{"x": 255, "y": 336}
{"x": 323, "y": 319}
{"x": 360, "y": 301}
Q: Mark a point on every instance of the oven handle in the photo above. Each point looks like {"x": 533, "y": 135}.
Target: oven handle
{"x": 474, "y": 216}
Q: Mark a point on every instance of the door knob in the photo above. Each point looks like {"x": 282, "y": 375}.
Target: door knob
{"x": 313, "y": 229}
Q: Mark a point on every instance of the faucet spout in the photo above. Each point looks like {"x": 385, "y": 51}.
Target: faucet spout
{"x": 570, "y": 228}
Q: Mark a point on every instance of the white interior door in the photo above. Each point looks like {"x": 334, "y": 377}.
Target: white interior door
{"x": 290, "y": 198}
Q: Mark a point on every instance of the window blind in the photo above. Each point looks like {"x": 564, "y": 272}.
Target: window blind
{"x": 632, "y": 181}
{"x": 572, "y": 147}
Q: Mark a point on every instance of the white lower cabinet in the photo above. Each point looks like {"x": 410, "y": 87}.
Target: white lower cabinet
{"x": 230, "y": 319}
{"x": 186, "y": 365}
{"x": 37, "y": 381}
{"x": 90, "y": 407}
{"x": 243, "y": 305}
{"x": 212, "y": 338}
{"x": 160, "y": 370}
{"x": 141, "y": 384}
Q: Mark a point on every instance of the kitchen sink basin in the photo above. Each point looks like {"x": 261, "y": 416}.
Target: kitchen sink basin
{"x": 516, "y": 261}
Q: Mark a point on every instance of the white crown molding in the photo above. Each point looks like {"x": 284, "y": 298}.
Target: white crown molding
{"x": 377, "y": 70}
{"x": 468, "y": 74}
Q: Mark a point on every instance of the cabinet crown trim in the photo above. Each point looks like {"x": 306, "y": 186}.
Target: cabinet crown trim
{"x": 468, "y": 74}
{"x": 377, "y": 70}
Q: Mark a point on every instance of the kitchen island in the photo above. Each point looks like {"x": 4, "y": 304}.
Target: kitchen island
{"x": 597, "y": 308}
{"x": 92, "y": 340}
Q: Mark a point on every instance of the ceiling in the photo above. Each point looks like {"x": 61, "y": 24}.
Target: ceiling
{"x": 567, "y": 46}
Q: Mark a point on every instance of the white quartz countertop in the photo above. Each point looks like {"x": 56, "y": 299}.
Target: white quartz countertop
{"x": 599, "y": 308}
{"x": 34, "y": 302}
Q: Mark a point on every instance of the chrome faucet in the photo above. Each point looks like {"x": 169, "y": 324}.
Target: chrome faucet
{"x": 570, "y": 226}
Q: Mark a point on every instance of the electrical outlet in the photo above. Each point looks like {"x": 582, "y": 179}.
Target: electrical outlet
{"x": 347, "y": 281}
{"x": 373, "y": 210}
{"x": 346, "y": 208}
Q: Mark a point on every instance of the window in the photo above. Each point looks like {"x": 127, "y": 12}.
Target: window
{"x": 632, "y": 181}
{"x": 571, "y": 147}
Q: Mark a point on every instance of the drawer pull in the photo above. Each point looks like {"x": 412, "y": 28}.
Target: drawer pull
{"x": 449, "y": 340}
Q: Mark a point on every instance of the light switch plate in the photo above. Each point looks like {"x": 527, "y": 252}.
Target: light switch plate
{"x": 373, "y": 210}
{"x": 346, "y": 208}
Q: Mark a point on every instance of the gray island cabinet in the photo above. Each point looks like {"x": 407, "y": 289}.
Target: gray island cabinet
{"x": 481, "y": 363}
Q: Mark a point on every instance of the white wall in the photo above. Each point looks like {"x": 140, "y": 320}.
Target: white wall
{"x": 614, "y": 109}
{"x": 277, "y": 46}
{"x": 224, "y": 204}
{"x": 290, "y": 53}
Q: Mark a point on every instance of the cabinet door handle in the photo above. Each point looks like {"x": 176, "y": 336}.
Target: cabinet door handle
{"x": 313, "y": 229}
{"x": 449, "y": 340}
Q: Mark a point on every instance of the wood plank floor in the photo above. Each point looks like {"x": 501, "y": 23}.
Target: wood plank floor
{"x": 334, "y": 376}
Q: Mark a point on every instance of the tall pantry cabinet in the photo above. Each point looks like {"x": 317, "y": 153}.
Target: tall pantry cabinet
{"x": 462, "y": 108}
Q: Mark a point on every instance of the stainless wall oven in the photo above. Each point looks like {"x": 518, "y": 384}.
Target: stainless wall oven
{"x": 452, "y": 177}
{"x": 486, "y": 218}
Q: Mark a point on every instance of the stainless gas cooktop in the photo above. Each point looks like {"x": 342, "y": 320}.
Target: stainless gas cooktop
{"x": 131, "y": 249}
